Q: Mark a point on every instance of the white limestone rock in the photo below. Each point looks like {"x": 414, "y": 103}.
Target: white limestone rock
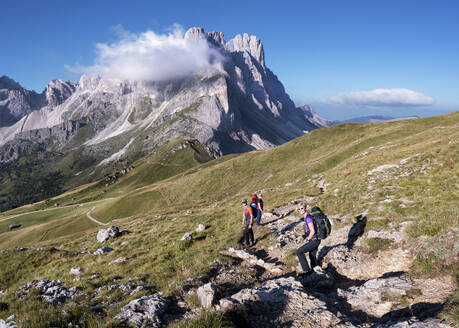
{"x": 206, "y": 294}
{"x": 105, "y": 234}
{"x": 145, "y": 311}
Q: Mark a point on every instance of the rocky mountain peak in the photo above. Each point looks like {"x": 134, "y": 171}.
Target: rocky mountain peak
{"x": 249, "y": 43}
{"x": 241, "y": 43}
{"x": 195, "y": 33}
{"x": 8, "y": 83}
{"x": 57, "y": 91}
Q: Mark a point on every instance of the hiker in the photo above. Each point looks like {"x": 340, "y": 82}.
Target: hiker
{"x": 311, "y": 245}
{"x": 248, "y": 219}
{"x": 260, "y": 209}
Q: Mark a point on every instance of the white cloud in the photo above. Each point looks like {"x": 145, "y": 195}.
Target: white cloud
{"x": 151, "y": 56}
{"x": 382, "y": 98}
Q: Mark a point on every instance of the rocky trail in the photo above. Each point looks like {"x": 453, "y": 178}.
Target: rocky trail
{"x": 351, "y": 289}
{"x": 259, "y": 287}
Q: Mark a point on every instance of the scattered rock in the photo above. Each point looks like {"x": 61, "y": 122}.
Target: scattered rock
{"x": 189, "y": 212}
{"x": 95, "y": 276}
{"x": 50, "y": 291}
{"x": 144, "y": 311}
{"x": 8, "y": 323}
{"x": 14, "y": 226}
{"x": 391, "y": 235}
{"x": 206, "y": 295}
{"x": 414, "y": 323}
{"x": 119, "y": 260}
{"x": 201, "y": 227}
{"x": 253, "y": 260}
{"x": 281, "y": 302}
{"x": 21, "y": 249}
{"x": 187, "y": 236}
{"x": 3, "y": 292}
{"x": 319, "y": 279}
{"x": 76, "y": 271}
{"x": 105, "y": 234}
{"x": 383, "y": 168}
{"x": 103, "y": 250}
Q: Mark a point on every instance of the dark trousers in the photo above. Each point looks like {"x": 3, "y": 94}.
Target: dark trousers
{"x": 311, "y": 246}
{"x": 258, "y": 217}
{"x": 248, "y": 234}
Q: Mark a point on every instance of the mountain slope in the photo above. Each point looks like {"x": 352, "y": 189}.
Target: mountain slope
{"x": 99, "y": 124}
{"x": 402, "y": 175}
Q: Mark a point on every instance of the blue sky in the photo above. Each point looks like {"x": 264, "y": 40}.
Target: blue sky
{"x": 331, "y": 54}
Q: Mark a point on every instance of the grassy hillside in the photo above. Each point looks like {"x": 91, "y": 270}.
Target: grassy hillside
{"x": 66, "y": 214}
{"x": 396, "y": 171}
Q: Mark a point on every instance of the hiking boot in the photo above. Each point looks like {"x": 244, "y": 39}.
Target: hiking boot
{"x": 305, "y": 274}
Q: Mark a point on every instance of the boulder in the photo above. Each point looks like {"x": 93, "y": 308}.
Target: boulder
{"x": 105, "y": 234}
{"x": 76, "y": 271}
{"x": 206, "y": 295}
{"x": 8, "y": 323}
{"x": 14, "y": 226}
{"x": 187, "y": 236}
{"x": 145, "y": 311}
{"x": 376, "y": 296}
{"x": 103, "y": 250}
{"x": 201, "y": 227}
{"x": 189, "y": 212}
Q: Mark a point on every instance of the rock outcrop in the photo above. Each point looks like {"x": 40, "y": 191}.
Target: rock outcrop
{"x": 206, "y": 295}
{"x": 50, "y": 291}
{"x": 105, "y": 234}
{"x": 145, "y": 311}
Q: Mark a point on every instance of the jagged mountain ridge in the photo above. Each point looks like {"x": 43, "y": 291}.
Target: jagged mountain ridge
{"x": 90, "y": 126}
{"x": 226, "y": 103}
{"x": 17, "y": 102}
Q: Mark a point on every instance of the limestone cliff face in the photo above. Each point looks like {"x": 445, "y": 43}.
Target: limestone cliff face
{"x": 238, "y": 107}
{"x": 17, "y": 102}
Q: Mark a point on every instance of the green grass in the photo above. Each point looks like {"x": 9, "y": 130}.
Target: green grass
{"x": 207, "y": 319}
{"x": 152, "y": 200}
{"x": 374, "y": 245}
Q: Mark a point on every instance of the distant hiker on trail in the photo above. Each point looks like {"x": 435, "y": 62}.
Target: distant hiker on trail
{"x": 248, "y": 218}
{"x": 260, "y": 209}
{"x": 311, "y": 245}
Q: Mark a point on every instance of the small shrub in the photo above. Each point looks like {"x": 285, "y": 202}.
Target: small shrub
{"x": 377, "y": 244}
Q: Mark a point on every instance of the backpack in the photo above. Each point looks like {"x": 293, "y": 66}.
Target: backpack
{"x": 322, "y": 223}
{"x": 260, "y": 202}
{"x": 254, "y": 209}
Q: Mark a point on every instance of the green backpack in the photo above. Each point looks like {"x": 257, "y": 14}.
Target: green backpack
{"x": 322, "y": 223}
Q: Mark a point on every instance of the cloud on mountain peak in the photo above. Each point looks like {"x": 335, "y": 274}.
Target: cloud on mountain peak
{"x": 151, "y": 56}
{"x": 396, "y": 97}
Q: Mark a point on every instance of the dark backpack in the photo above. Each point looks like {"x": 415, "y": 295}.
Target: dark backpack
{"x": 322, "y": 223}
{"x": 260, "y": 202}
{"x": 254, "y": 209}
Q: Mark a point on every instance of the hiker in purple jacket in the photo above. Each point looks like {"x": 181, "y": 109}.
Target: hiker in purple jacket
{"x": 311, "y": 245}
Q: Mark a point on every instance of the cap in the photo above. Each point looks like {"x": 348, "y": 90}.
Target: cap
{"x": 244, "y": 201}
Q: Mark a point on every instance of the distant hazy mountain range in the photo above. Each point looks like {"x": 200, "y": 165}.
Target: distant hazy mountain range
{"x": 373, "y": 119}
